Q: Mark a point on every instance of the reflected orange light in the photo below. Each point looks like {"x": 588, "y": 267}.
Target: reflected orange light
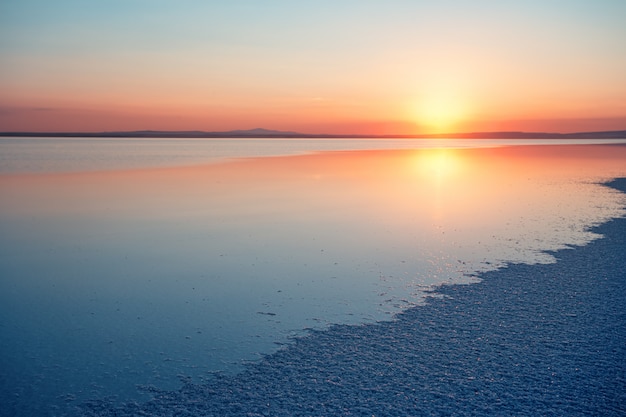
{"x": 438, "y": 164}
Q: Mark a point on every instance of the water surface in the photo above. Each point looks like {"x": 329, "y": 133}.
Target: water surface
{"x": 48, "y": 155}
{"x": 118, "y": 277}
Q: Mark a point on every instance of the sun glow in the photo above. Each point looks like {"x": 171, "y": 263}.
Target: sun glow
{"x": 440, "y": 113}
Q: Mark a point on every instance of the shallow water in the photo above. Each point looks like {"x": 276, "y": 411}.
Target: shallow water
{"x": 122, "y": 277}
{"x": 50, "y": 155}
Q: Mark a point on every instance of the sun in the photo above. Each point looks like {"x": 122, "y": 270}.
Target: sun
{"x": 440, "y": 112}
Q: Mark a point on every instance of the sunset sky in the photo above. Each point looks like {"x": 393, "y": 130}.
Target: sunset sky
{"x": 323, "y": 66}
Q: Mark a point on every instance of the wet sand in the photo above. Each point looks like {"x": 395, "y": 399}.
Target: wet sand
{"x": 526, "y": 340}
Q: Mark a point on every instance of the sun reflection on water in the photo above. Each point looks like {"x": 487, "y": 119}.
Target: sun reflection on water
{"x": 438, "y": 165}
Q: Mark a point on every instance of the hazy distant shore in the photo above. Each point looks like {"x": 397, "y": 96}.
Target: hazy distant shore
{"x": 526, "y": 340}
{"x": 265, "y": 133}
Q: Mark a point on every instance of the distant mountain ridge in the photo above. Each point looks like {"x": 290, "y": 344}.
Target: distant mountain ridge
{"x": 250, "y": 133}
{"x": 267, "y": 133}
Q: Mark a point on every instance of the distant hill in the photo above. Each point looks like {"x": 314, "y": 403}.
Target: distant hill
{"x": 266, "y": 133}
{"x": 251, "y": 133}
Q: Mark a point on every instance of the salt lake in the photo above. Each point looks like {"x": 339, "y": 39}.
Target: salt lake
{"x": 129, "y": 261}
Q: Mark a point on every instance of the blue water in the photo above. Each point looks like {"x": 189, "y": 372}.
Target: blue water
{"x": 125, "y": 262}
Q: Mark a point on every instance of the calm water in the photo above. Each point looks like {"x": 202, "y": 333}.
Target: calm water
{"x": 47, "y": 155}
{"x": 127, "y": 262}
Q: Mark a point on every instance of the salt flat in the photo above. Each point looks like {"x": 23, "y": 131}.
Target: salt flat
{"x": 546, "y": 339}
{"x": 123, "y": 277}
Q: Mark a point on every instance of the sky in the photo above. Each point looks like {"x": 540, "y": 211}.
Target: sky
{"x": 313, "y": 66}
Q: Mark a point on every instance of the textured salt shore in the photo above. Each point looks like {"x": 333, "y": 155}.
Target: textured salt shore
{"x": 526, "y": 340}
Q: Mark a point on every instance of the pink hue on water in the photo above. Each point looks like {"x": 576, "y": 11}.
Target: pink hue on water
{"x": 123, "y": 277}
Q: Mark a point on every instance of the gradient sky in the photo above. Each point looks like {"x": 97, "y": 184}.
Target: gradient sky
{"x": 316, "y": 66}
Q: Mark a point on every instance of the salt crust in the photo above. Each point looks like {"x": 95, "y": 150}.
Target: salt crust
{"x": 526, "y": 340}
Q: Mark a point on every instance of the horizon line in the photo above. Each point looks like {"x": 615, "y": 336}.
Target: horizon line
{"x": 269, "y": 133}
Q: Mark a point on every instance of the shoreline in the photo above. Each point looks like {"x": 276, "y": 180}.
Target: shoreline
{"x": 546, "y": 339}
{"x": 260, "y": 133}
